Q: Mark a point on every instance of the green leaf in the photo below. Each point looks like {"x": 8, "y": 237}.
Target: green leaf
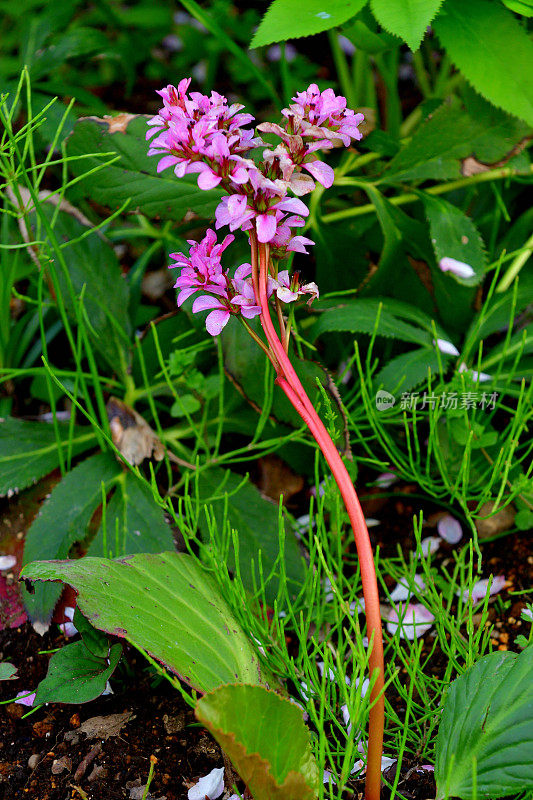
{"x": 134, "y": 523}
{"x": 451, "y": 134}
{"x": 364, "y": 38}
{"x": 480, "y": 36}
{"x": 7, "y": 671}
{"x": 135, "y": 174}
{"x": 361, "y": 316}
{"x": 75, "y": 675}
{"x": 407, "y": 19}
{"x": 77, "y": 42}
{"x": 62, "y": 521}
{"x": 290, "y": 19}
{"x": 455, "y": 235}
{"x": 524, "y": 7}
{"x": 255, "y": 518}
{"x": 94, "y": 640}
{"x": 266, "y": 740}
{"x": 485, "y": 740}
{"x": 407, "y": 370}
{"x": 28, "y": 450}
{"x": 166, "y": 605}
{"x": 185, "y": 404}
{"x": 524, "y": 520}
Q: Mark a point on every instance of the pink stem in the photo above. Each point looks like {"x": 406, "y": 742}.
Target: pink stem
{"x": 291, "y": 385}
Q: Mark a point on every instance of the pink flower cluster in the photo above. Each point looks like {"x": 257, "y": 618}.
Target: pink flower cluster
{"x": 201, "y": 271}
{"x": 195, "y": 133}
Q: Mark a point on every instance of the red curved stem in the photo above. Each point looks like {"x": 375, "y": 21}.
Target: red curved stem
{"x": 288, "y": 380}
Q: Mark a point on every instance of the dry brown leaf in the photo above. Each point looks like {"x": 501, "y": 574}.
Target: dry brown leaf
{"x": 100, "y": 727}
{"x": 276, "y": 478}
{"x": 119, "y": 123}
{"x": 134, "y": 437}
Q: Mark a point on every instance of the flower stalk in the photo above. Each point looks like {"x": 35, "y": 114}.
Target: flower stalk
{"x": 203, "y": 135}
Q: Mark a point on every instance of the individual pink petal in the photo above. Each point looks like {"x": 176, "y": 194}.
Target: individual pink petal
{"x": 321, "y": 172}
{"x": 207, "y": 179}
{"x": 167, "y": 161}
{"x": 185, "y": 293}
{"x": 266, "y": 227}
{"x": 293, "y": 205}
{"x": 210, "y": 786}
{"x": 216, "y": 321}
{"x": 298, "y": 244}
{"x": 25, "y": 699}
{"x": 450, "y": 529}
{"x": 412, "y": 621}
{"x": 205, "y": 301}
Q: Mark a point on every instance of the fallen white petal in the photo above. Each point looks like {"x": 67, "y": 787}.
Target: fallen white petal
{"x": 450, "y": 529}
{"x": 527, "y": 614}
{"x": 6, "y": 562}
{"x": 415, "y": 618}
{"x": 446, "y": 347}
{"x": 327, "y": 777}
{"x": 402, "y": 589}
{"x": 371, "y": 522}
{"x": 107, "y": 690}
{"x": 481, "y": 587}
{"x": 210, "y": 786}
{"x": 331, "y": 674}
{"x": 346, "y": 717}
{"x": 481, "y": 377}
{"x": 430, "y": 545}
{"x": 385, "y": 480}
{"x": 458, "y": 268}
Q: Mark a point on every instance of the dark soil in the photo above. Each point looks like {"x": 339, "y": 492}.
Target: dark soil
{"x": 41, "y": 760}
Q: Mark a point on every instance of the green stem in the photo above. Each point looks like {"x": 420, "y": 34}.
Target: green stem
{"x": 515, "y": 267}
{"x": 442, "y": 188}
{"x": 421, "y": 74}
{"x": 341, "y": 65}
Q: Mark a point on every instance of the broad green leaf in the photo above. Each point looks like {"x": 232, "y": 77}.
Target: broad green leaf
{"x": 408, "y": 370}
{"x": 485, "y": 740}
{"x": 135, "y": 174}
{"x": 366, "y": 316}
{"x": 62, "y": 521}
{"x": 134, "y": 523}
{"x": 166, "y": 605}
{"x": 96, "y": 642}
{"x": 255, "y": 518}
{"x": 455, "y": 235}
{"x": 266, "y": 740}
{"x": 290, "y": 19}
{"x": 28, "y": 450}
{"x": 75, "y": 675}
{"x": 451, "y": 134}
{"x": 492, "y": 51}
{"x": 407, "y": 19}
{"x": 524, "y": 7}
{"x": 7, "y": 671}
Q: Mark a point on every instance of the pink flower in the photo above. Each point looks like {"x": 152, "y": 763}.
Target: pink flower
{"x": 288, "y": 289}
{"x": 323, "y": 115}
{"x": 201, "y": 269}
